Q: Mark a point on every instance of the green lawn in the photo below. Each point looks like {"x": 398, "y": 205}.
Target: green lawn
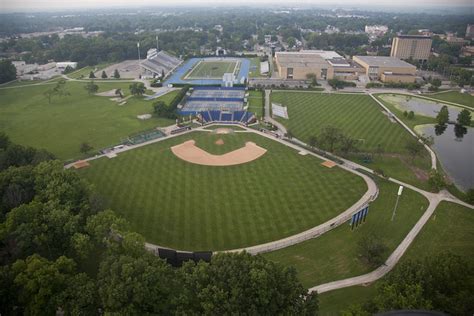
{"x": 449, "y": 229}
{"x": 360, "y": 117}
{"x": 256, "y": 103}
{"x": 63, "y": 125}
{"x": 334, "y": 255}
{"x": 212, "y": 69}
{"x": 455, "y": 97}
{"x": 187, "y": 206}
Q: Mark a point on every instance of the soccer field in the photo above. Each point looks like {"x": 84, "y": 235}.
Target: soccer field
{"x": 361, "y": 118}
{"x": 60, "y": 127}
{"x": 212, "y": 69}
{"x": 178, "y": 204}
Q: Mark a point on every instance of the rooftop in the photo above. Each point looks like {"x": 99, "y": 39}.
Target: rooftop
{"x": 383, "y": 61}
{"x": 414, "y": 36}
{"x": 308, "y": 58}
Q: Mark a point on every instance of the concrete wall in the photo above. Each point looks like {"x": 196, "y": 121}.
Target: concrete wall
{"x": 404, "y": 78}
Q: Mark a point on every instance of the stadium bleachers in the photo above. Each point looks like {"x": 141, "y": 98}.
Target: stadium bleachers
{"x": 241, "y": 117}
{"x": 160, "y": 61}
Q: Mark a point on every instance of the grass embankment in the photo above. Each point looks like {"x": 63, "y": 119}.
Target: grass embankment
{"x": 449, "y": 229}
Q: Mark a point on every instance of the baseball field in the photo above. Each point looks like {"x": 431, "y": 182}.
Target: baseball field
{"x": 184, "y": 205}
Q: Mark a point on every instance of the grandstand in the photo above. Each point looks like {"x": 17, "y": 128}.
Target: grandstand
{"x": 226, "y": 117}
{"x": 157, "y": 62}
{"x": 204, "y": 99}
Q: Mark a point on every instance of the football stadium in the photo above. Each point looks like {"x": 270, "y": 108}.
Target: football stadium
{"x": 210, "y": 71}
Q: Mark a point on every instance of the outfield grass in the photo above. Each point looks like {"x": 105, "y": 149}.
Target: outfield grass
{"x": 211, "y": 69}
{"x": 360, "y": 117}
{"x": 63, "y": 125}
{"x": 334, "y": 255}
{"x": 256, "y": 103}
{"x": 455, "y": 97}
{"x": 186, "y": 206}
{"x": 449, "y": 229}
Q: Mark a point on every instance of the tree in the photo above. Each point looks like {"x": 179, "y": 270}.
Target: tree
{"x": 162, "y": 74}
{"x": 329, "y": 137}
{"x": 68, "y": 69}
{"x": 116, "y": 74}
{"x": 137, "y": 88}
{"x": 411, "y": 115}
{"x": 7, "y": 71}
{"x": 91, "y": 75}
{"x": 470, "y": 196}
{"x": 436, "y": 180}
{"x": 464, "y": 118}
{"x": 443, "y": 116}
{"x": 137, "y": 285}
{"x": 119, "y": 93}
{"x": 240, "y": 283}
{"x": 414, "y": 148}
{"x": 85, "y": 148}
{"x": 91, "y": 87}
{"x": 435, "y": 84}
{"x": 443, "y": 282}
{"x": 104, "y": 75}
{"x": 371, "y": 250}
{"x": 348, "y": 144}
{"x": 47, "y": 285}
{"x": 312, "y": 76}
{"x": 312, "y": 141}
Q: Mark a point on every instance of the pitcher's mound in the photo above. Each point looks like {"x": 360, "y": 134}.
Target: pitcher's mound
{"x": 189, "y": 152}
{"x": 220, "y": 141}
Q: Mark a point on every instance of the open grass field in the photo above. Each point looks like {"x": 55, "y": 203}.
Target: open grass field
{"x": 60, "y": 127}
{"x": 212, "y": 69}
{"x": 177, "y": 204}
{"x": 455, "y": 97}
{"x": 334, "y": 255}
{"x": 255, "y": 99}
{"x": 449, "y": 229}
{"x": 360, "y": 117}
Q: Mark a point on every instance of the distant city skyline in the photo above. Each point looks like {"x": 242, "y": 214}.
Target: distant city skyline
{"x": 45, "y": 5}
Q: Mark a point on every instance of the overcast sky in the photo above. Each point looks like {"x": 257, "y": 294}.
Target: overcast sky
{"x": 44, "y": 5}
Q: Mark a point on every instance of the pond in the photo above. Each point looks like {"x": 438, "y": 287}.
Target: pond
{"x": 420, "y": 106}
{"x": 455, "y": 150}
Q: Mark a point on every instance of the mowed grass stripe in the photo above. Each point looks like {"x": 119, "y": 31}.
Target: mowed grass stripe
{"x": 177, "y": 204}
{"x": 357, "y": 115}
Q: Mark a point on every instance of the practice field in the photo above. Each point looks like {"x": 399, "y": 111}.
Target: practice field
{"x": 187, "y": 206}
{"x": 212, "y": 69}
{"x": 361, "y": 118}
{"x": 62, "y": 126}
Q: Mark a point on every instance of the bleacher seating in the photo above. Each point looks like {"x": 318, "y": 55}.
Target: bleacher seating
{"x": 242, "y": 117}
{"x": 160, "y": 61}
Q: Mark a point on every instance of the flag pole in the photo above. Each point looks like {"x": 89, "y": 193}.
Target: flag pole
{"x": 400, "y": 190}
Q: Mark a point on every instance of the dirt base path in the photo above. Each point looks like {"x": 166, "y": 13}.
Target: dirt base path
{"x": 189, "y": 152}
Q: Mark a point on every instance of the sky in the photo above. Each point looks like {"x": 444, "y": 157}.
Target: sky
{"x": 45, "y": 5}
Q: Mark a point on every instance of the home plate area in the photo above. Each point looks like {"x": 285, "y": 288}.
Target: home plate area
{"x": 188, "y": 151}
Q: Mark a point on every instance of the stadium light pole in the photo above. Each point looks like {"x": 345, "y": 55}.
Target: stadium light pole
{"x": 138, "y": 48}
{"x": 400, "y": 190}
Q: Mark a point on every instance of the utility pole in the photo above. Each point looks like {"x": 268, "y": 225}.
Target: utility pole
{"x": 157, "y": 47}
{"x": 400, "y": 190}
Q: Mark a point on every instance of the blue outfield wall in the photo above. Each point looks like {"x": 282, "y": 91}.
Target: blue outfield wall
{"x": 184, "y": 68}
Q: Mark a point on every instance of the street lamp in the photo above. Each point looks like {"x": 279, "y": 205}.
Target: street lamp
{"x": 400, "y": 190}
